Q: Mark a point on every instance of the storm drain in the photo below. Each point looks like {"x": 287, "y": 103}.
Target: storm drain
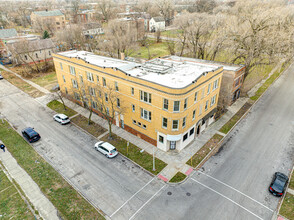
{"x": 169, "y": 193}
{"x": 188, "y": 194}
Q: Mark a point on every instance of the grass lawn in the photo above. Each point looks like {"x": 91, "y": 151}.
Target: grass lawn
{"x": 47, "y": 80}
{"x": 65, "y": 198}
{"x": 287, "y": 208}
{"x": 201, "y": 154}
{"x": 12, "y": 206}
{"x": 171, "y": 33}
{"x": 227, "y": 127}
{"x": 133, "y": 152}
{"x": 156, "y": 50}
{"x": 24, "y": 86}
{"x": 178, "y": 177}
{"x": 291, "y": 183}
{"x": 58, "y": 107}
{"x": 267, "y": 83}
{"x": 94, "y": 129}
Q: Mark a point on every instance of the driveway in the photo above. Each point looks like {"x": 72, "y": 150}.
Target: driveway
{"x": 116, "y": 186}
{"x": 234, "y": 183}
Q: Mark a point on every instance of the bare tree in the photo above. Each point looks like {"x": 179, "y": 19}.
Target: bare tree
{"x": 106, "y": 8}
{"x": 119, "y": 38}
{"x": 75, "y": 4}
{"x": 166, "y": 8}
{"x": 109, "y": 104}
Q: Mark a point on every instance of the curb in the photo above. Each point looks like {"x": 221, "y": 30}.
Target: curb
{"x": 210, "y": 154}
{"x": 65, "y": 178}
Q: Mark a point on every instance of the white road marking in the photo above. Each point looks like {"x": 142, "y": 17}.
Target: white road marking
{"x": 132, "y": 197}
{"x": 146, "y": 202}
{"x": 236, "y": 190}
{"x": 228, "y": 199}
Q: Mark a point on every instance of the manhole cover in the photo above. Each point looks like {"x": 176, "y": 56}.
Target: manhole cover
{"x": 169, "y": 193}
{"x": 123, "y": 160}
{"x": 188, "y": 194}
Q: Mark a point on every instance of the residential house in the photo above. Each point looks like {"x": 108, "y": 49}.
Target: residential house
{"x": 31, "y": 51}
{"x": 167, "y": 102}
{"x": 233, "y": 78}
{"x": 92, "y": 29}
{"x": 156, "y": 24}
{"x": 48, "y": 20}
{"x": 146, "y": 18}
{"x": 5, "y": 34}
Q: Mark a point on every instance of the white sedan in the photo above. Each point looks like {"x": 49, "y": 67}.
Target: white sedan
{"x": 61, "y": 118}
{"x": 106, "y": 148}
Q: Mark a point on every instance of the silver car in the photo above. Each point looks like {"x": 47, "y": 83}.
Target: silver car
{"x": 106, "y": 148}
{"x": 61, "y": 118}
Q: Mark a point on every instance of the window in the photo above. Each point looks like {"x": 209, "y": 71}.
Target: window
{"x": 160, "y": 139}
{"x": 118, "y": 102}
{"x": 200, "y": 109}
{"x": 94, "y": 105}
{"x": 164, "y": 122}
{"x": 145, "y": 114}
{"x": 175, "y": 124}
{"x": 165, "y": 104}
{"x": 81, "y": 79}
{"x": 26, "y": 57}
{"x": 97, "y": 78}
{"x": 215, "y": 84}
{"x": 61, "y": 67}
{"x": 90, "y": 77}
{"x": 66, "y": 92}
{"x": 133, "y": 108}
{"x": 237, "y": 82}
{"x": 49, "y": 52}
{"x": 92, "y": 91}
{"x": 195, "y": 98}
{"x": 208, "y": 89}
{"x": 145, "y": 96}
{"x": 144, "y": 126}
{"x": 134, "y": 122}
{"x": 206, "y": 105}
{"x": 132, "y": 91}
{"x": 37, "y": 55}
{"x": 185, "y": 103}
{"x": 191, "y": 131}
{"x": 84, "y": 93}
{"x": 176, "y": 106}
{"x": 74, "y": 83}
{"x": 77, "y": 96}
{"x": 106, "y": 97}
{"x": 72, "y": 70}
{"x": 58, "y": 23}
{"x": 104, "y": 81}
{"x": 116, "y": 86}
{"x": 184, "y": 122}
{"x": 185, "y": 137}
{"x": 139, "y": 124}
{"x": 202, "y": 94}
{"x": 194, "y": 113}
{"x": 212, "y": 102}
{"x": 63, "y": 78}
{"x": 107, "y": 110}
{"x": 99, "y": 93}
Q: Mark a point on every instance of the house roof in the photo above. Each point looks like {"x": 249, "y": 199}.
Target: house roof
{"x": 165, "y": 72}
{"x": 33, "y": 45}
{"x": 48, "y": 13}
{"x": 5, "y": 33}
{"x": 158, "y": 19}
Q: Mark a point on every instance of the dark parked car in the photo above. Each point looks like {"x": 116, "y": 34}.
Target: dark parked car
{"x": 1, "y": 77}
{"x": 30, "y": 134}
{"x": 278, "y": 184}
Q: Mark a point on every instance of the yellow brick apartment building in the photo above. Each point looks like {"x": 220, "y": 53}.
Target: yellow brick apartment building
{"x": 167, "y": 101}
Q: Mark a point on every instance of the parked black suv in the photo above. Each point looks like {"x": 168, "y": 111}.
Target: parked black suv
{"x": 30, "y": 134}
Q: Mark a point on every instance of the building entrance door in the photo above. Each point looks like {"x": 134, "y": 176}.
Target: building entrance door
{"x": 198, "y": 130}
{"x": 172, "y": 145}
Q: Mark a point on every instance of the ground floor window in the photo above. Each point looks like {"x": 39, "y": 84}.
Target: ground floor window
{"x": 185, "y": 137}
{"x": 191, "y": 131}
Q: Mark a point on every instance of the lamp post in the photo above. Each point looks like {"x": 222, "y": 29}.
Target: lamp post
{"x": 153, "y": 159}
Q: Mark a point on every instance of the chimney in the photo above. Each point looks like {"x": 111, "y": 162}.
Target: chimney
{"x": 122, "y": 56}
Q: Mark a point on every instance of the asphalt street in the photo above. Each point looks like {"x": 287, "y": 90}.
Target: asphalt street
{"x": 116, "y": 186}
{"x": 234, "y": 183}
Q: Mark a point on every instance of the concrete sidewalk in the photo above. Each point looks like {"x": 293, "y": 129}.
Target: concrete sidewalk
{"x": 30, "y": 188}
{"x": 176, "y": 160}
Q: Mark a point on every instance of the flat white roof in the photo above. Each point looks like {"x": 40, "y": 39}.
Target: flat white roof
{"x": 166, "y": 72}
